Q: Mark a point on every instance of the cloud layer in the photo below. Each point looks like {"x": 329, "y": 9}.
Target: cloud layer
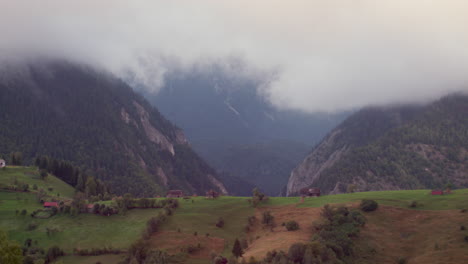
{"x": 313, "y": 55}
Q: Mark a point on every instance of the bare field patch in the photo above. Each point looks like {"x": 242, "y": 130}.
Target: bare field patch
{"x": 261, "y": 240}
{"x": 173, "y": 242}
{"x": 415, "y": 235}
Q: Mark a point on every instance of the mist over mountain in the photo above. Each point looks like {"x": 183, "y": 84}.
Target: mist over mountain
{"x": 319, "y": 55}
{"x": 94, "y": 120}
{"x": 232, "y": 126}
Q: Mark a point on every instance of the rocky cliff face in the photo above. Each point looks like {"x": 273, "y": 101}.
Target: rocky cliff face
{"x": 323, "y": 157}
{"x": 93, "y": 119}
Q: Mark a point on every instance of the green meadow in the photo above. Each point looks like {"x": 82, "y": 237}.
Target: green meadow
{"x": 458, "y": 199}
{"x": 30, "y": 175}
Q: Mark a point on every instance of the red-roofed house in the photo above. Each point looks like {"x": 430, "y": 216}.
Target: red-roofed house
{"x": 437, "y": 192}
{"x": 90, "y": 208}
{"x": 51, "y": 204}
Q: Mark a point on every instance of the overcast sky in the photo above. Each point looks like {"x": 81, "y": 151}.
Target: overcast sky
{"x": 314, "y": 55}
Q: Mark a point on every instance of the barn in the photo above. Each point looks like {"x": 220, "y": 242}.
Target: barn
{"x": 437, "y": 192}
{"x": 212, "y": 194}
{"x": 174, "y": 194}
{"x": 310, "y": 192}
{"x": 51, "y": 204}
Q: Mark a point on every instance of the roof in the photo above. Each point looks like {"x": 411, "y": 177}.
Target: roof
{"x": 2, "y": 160}
{"x": 90, "y": 206}
{"x": 51, "y": 204}
{"x": 314, "y": 190}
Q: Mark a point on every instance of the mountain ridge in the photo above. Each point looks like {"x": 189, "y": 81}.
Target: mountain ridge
{"x": 80, "y": 114}
{"x": 381, "y": 149}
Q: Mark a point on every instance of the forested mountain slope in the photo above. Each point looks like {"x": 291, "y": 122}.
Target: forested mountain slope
{"x": 402, "y": 147}
{"x": 75, "y": 113}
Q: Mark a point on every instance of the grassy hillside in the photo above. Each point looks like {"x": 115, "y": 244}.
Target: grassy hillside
{"x": 30, "y": 175}
{"x": 457, "y": 200}
{"x": 394, "y": 225}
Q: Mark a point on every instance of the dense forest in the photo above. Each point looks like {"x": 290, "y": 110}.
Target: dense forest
{"x": 95, "y": 121}
{"x": 394, "y": 148}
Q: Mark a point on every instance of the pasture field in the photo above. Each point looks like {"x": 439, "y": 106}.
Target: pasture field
{"x": 458, "y": 199}
{"x": 30, "y": 175}
{"x": 83, "y": 231}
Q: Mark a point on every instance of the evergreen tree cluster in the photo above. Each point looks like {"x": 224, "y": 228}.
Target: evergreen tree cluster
{"x": 73, "y": 175}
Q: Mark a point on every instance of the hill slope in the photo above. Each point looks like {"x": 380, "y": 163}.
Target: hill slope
{"x": 93, "y": 119}
{"x": 405, "y": 147}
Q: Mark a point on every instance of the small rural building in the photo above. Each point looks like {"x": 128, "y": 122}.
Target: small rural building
{"x": 315, "y": 192}
{"x": 437, "y": 192}
{"x": 90, "y": 208}
{"x": 51, "y": 204}
{"x": 2, "y": 163}
{"x": 174, "y": 194}
{"x": 212, "y": 194}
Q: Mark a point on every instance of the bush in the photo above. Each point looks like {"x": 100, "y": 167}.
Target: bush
{"x": 292, "y": 225}
{"x": 220, "y": 222}
{"x": 401, "y": 260}
{"x": 267, "y": 218}
{"x": 53, "y": 253}
{"x": 32, "y": 226}
{"x": 413, "y": 204}
{"x": 296, "y": 252}
{"x": 369, "y": 205}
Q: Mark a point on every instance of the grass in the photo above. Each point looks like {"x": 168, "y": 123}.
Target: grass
{"x": 456, "y": 200}
{"x": 82, "y": 231}
{"x": 92, "y": 259}
{"x": 30, "y": 175}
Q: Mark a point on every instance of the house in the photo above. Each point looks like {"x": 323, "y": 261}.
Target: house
{"x": 310, "y": 192}
{"x": 90, "y": 208}
{"x": 174, "y": 194}
{"x": 51, "y": 204}
{"x": 212, "y": 194}
{"x": 2, "y": 163}
{"x": 437, "y": 192}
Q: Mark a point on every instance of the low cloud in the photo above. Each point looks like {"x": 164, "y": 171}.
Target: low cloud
{"x": 314, "y": 55}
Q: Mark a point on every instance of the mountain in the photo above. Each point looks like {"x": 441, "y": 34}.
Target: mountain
{"x": 236, "y": 130}
{"x": 401, "y": 147}
{"x": 95, "y": 120}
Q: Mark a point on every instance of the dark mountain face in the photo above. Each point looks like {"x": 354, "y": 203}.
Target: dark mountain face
{"x": 96, "y": 121}
{"x": 405, "y": 147}
{"x": 236, "y": 131}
